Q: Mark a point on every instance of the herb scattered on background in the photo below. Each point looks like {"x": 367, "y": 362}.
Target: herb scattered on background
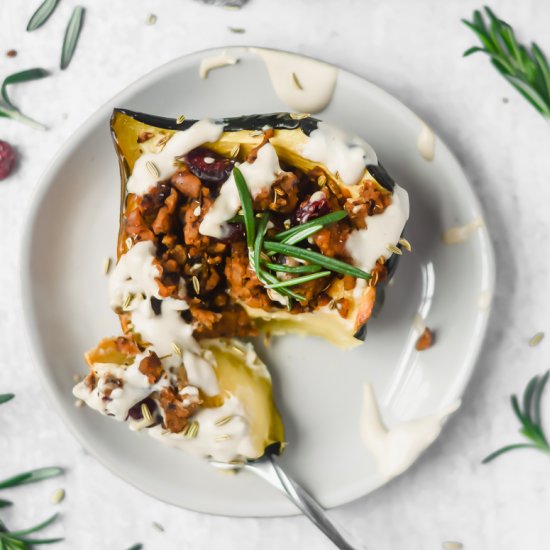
{"x": 42, "y": 14}
{"x": 5, "y": 397}
{"x": 526, "y": 70}
{"x": 136, "y": 547}
{"x": 72, "y": 32}
{"x": 529, "y": 417}
{"x": 31, "y": 477}
{"x": 18, "y": 540}
{"x": 536, "y": 339}
{"x": 7, "y": 108}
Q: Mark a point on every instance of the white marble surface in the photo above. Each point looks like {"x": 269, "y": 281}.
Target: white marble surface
{"x": 413, "y": 49}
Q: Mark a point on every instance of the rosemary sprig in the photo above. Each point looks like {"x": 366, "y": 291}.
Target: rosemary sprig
{"x": 308, "y": 268}
{"x": 42, "y": 14}
{"x": 321, "y": 220}
{"x": 316, "y": 258}
{"x": 7, "y": 108}
{"x": 299, "y": 280}
{"x": 30, "y": 477}
{"x": 5, "y": 397}
{"x": 248, "y": 210}
{"x": 72, "y": 33}
{"x": 17, "y": 540}
{"x": 529, "y": 417}
{"x": 526, "y": 70}
{"x": 258, "y": 243}
{"x": 271, "y": 279}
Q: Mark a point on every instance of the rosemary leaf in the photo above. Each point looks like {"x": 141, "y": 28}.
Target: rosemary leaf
{"x": 271, "y": 279}
{"x": 317, "y": 258}
{"x": 527, "y": 70}
{"x": 42, "y": 14}
{"x": 136, "y": 547}
{"x": 72, "y": 32}
{"x": 36, "y": 528}
{"x": 309, "y": 268}
{"x": 299, "y": 236}
{"x": 5, "y": 503}
{"x": 31, "y": 477}
{"x": 321, "y": 220}
{"x": 16, "y": 78}
{"x": 299, "y": 280}
{"x": 5, "y": 397}
{"x": 246, "y": 202}
{"x": 258, "y": 243}
{"x": 529, "y": 417}
{"x": 7, "y": 108}
{"x": 503, "y": 450}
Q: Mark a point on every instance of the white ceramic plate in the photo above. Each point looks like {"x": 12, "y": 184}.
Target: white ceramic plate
{"x": 73, "y": 227}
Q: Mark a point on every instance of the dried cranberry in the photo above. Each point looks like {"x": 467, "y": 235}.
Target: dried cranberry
{"x": 208, "y": 166}
{"x": 7, "y": 159}
{"x": 235, "y": 232}
{"x": 312, "y": 208}
{"x": 135, "y": 411}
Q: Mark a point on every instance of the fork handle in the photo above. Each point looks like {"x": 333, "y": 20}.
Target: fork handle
{"x": 274, "y": 474}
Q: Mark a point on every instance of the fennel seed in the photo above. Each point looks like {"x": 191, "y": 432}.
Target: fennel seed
{"x": 152, "y": 169}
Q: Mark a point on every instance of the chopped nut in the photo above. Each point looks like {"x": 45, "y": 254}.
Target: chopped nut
{"x": 425, "y": 340}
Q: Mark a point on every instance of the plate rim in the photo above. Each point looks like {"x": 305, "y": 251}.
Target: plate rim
{"x": 45, "y": 181}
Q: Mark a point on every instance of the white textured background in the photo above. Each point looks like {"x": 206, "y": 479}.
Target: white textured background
{"x": 412, "y": 49}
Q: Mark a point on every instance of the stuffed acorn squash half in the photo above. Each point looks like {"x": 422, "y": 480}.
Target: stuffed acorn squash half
{"x": 277, "y": 223}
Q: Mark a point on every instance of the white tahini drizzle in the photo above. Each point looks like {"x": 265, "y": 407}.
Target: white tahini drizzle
{"x": 365, "y": 246}
{"x": 305, "y": 85}
{"x": 143, "y": 178}
{"x": 117, "y": 401}
{"x": 215, "y": 62}
{"x": 339, "y": 152}
{"x": 259, "y": 175}
{"x": 396, "y": 448}
{"x": 136, "y": 273}
{"x": 426, "y": 143}
{"x": 461, "y": 233}
{"x": 222, "y": 443}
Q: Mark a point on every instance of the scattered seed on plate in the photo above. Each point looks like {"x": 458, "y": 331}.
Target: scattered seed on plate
{"x": 180, "y": 119}
{"x": 299, "y": 116}
{"x": 536, "y": 339}
{"x": 297, "y": 82}
{"x": 223, "y": 437}
{"x": 151, "y": 19}
{"x": 79, "y": 403}
{"x": 11, "y": 53}
{"x": 58, "y": 496}
{"x": 106, "y": 265}
{"x": 237, "y": 30}
{"x": 158, "y": 526}
{"x": 452, "y": 545}
{"x": 235, "y": 151}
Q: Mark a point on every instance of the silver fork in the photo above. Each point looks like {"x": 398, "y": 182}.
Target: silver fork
{"x": 267, "y": 468}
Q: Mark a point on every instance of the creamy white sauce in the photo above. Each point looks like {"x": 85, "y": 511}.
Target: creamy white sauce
{"x": 222, "y": 443}
{"x": 396, "y": 448}
{"x": 118, "y": 401}
{"x": 425, "y": 143}
{"x": 461, "y": 233}
{"x": 136, "y": 273}
{"x": 365, "y": 246}
{"x": 215, "y": 62}
{"x": 484, "y": 299}
{"x": 259, "y": 175}
{"x": 305, "y": 85}
{"x": 144, "y": 177}
{"x": 339, "y": 152}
